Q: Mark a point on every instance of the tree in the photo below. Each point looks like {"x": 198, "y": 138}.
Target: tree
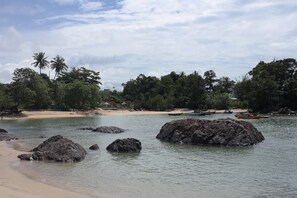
{"x": 40, "y": 61}
{"x": 209, "y": 80}
{"x": 81, "y": 74}
{"x": 58, "y": 64}
{"x": 29, "y": 89}
{"x": 272, "y": 85}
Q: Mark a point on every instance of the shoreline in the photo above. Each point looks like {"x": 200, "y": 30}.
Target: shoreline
{"x": 15, "y": 184}
{"x": 79, "y": 114}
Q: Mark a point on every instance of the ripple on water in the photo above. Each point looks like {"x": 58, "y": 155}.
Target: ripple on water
{"x": 165, "y": 170}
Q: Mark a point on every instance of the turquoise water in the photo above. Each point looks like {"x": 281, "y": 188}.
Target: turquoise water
{"x": 268, "y": 169}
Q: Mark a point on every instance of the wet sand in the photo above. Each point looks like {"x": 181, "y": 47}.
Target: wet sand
{"x": 14, "y": 184}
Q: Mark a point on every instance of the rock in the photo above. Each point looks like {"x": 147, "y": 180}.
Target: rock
{"x": 225, "y": 132}
{"x": 285, "y": 111}
{"x": 86, "y": 128}
{"x": 125, "y": 145}
{"x": 27, "y": 157}
{"x": 5, "y": 136}
{"x": 58, "y": 149}
{"x": 42, "y": 136}
{"x": 108, "y": 129}
{"x": 3, "y": 131}
{"x": 94, "y": 147}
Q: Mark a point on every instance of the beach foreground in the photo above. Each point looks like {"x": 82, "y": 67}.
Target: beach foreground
{"x": 17, "y": 185}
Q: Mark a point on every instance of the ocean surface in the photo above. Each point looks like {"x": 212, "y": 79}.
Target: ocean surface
{"x": 268, "y": 169}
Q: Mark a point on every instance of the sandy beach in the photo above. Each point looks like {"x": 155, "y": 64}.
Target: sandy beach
{"x": 14, "y": 184}
{"x": 76, "y": 114}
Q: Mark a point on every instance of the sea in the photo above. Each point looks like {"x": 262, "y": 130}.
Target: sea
{"x": 268, "y": 169}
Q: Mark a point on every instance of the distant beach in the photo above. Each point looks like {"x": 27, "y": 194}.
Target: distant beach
{"x": 105, "y": 112}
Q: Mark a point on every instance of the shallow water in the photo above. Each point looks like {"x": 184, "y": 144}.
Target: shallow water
{"x": 268, "y": 169}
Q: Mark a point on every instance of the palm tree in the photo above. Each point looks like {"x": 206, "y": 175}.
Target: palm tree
{"x": 58, "y": 64}
{"x": 40, "y": 60}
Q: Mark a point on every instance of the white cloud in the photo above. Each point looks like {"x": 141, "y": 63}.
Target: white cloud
{"x": 156, "y": 37}
{"x": 84, "y": 5}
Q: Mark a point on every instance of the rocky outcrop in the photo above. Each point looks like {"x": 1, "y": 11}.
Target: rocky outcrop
{"x": 225, "y": 132}
{"x": 94, "y": 147}
{"x": 58, "y": 149}
{"x": 5, "y": 136}
{"x": 104, "y": 129}
{"x": 108, "y": 129}
{"x": 125, "y": 145}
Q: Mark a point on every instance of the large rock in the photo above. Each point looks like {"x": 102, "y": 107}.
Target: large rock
{"x": 226, "y": 132}
{"x": 58, "y": 149}
{"x": 125, "y": 145}
{"x": 5, "y": 136}
{"x": 108, "y": 129}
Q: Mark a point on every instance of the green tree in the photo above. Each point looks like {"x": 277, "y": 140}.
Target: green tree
{"x": 209, "y": 80}
{"x": 58, "y": 64}
{"x": 29, "y": 89}
{"x": 40, "y": 61}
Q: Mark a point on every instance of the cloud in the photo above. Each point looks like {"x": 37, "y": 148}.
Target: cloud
{"x": 84, "y": 5}
{"x": 156, "y": 37}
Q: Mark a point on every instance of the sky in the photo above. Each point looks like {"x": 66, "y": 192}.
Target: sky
{"x": 124, "y": 38}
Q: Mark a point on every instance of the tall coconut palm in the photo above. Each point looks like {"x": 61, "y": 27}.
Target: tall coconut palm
{"x": 40, "y": 61}
{"x": 58, "y": 64}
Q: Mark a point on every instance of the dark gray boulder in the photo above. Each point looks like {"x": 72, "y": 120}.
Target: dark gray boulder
{"x": 94, "y": 147}
{"x": 58, "y": 149}
{"x": 225, "y": 132}
{"x": 108, "y": 129}
{"x": 5, "y": 136}
{"x": 3, "y": 131}
{"x": 125, "y": 145}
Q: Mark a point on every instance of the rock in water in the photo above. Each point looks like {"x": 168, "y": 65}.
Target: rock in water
{"x": 125, "y": 145}
{"x": 5, "y": 136}
{"x": 58, "y": 149}
{"x": 108, "y": 129}
{"x": 94, "y": 147}
{"x": 3, "y": 131}
{"x": 225, "y": 132}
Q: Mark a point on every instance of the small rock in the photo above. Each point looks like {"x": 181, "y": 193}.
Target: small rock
{"x": 5, "y": 136}
{"x": 3, "y": 131}
{"x": 108, "y": 129}
{"x": 86, "y": 128}
{"x": 94, "y": 147}
{"x": 125, "y": 145}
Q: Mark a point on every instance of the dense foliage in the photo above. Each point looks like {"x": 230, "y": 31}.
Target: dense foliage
{"x": 268, "y": 87}
{"x": 77, "y": 89}
{"x": 179, "y": 91}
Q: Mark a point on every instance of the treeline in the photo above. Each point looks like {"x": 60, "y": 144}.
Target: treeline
{"x": 180, "y": 91}
{"x": 76, "y": 89}
{"x": 268, "y": 87}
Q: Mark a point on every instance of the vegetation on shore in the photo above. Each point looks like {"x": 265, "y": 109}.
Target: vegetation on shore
{"x": 268, "y": 87}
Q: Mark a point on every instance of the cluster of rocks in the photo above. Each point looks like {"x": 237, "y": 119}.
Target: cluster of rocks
{"x": 5, "y": 136}
{"x": 225, "y": 132}
{"x": 60, "y": 149}
{"x": 286, "y": 111}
